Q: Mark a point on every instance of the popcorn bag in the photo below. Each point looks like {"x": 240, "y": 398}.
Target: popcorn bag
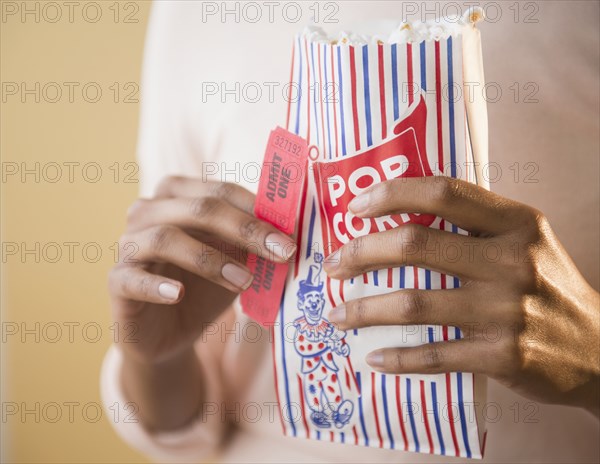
{"x": 371, "y": 110}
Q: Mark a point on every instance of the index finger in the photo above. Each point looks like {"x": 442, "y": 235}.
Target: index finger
{"x": 179, "y": 186}
{"x": 465, "y": 205}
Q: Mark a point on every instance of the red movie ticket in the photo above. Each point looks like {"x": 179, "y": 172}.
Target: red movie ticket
{"x": 279, "y": 190}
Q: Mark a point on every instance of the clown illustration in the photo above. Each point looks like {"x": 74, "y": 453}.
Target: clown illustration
{"x": 317, "y": 341}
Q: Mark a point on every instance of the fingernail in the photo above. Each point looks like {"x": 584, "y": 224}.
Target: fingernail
{"x": 237, "y": 276}
{"x": 281, "y": 245}
{"x": 333, "y": 260}
{"x": 168, "y": 291}
{"x": 338, "y": 314}
{"x": 375, "y": 359}
{"x": 359, "y": 204}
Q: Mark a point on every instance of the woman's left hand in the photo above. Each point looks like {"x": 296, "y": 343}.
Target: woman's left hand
{"x": 529, "y": 319}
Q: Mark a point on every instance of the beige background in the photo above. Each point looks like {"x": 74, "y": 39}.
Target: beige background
{"x": 104, "y": 52}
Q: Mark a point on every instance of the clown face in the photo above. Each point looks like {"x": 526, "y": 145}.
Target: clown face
{"x": 312, "y": 304}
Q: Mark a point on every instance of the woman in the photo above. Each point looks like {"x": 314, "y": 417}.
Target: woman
{"x": 193, "y": 373}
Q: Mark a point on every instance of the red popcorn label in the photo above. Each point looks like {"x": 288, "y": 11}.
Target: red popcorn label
{"x": 338, "y": 182}
{"x": 279, "y": 190}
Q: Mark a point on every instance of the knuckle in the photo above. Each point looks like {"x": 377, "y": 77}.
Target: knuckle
{"x": 414, "y": 304}
{"x": 445, "y": 189}
{"x": 386, "y": 192}
{"x": 397, "y": 361}
{"x": 166, "y": 185}
{"x": 222, "y": 190}
{"x": 205, "y": 261}
{"x": 352, "y": 253}
{"x": 144, "y": 286}
{"x": 412, "y": 235}
{"x": 203, "y": 206}
{"x": 136, "y": 210}
{"x": 357, "y": 310}
{"x": 249, "y": 229}
{"x": 433, "y": 357}
{"x": 160, "y": 237}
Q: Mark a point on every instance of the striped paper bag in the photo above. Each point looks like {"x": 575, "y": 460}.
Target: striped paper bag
{"x": 372, "y": 111}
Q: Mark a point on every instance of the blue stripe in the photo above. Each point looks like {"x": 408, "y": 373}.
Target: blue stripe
{"x": 402, "y": 277}
{"x": 385, "y": 410}
{"x": 411, "y": 415}
{"x": 395, "y": 81}
{"x": 367, "y": 93}
{"x": 312, "y": 57}
{"x": 318, "y": 435}
{"x": 451, "y": 110}
{"x": 427, "y": 279}
{"x": 311, "y": 229}
{"x": 326, "y": 100}
{"x": 360, "y": 410}
{"x": 342, "y": 434}
{"x": 300, "y": 87}
{"x": 283, "y": 363}
{"x": 451, "y": 103}
{"x": 430, "y": 334}
{"x": 423, "y": 68}
{"x": 461, "y": 404}
{"x": 438, "y": 426}
{"x": 341, "y": 96}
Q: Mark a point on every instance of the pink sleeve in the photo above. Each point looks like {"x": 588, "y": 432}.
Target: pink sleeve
{"x": 193, "y": 443}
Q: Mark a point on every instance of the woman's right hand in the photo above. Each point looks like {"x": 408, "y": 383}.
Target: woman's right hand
{"x": 181, "y": 263}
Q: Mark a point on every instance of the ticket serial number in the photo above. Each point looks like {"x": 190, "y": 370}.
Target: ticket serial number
{"x": 287, "y": 145}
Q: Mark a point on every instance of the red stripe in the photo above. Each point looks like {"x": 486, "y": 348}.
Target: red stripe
{"x": 438, "y": 101}
{"x": 354, "y": 106}
{"x": 308, "y": 87}
{"x": 382, "y": 92}
{"x": 425, "y": 418}
{"x": 449, "y": 401}
{"x": 302, "y": 406}
{"x": 352, "y": 371}
{"x": 331, "y": 439}
{"x": 321, "y": 96}
{"x": 374, "y": 400}
{"x": 335, "y": 132}
{"x": 400, "y": 416}
{"x": 347, "y": 378}
{"x": 300, "y": 223}
{"x": 324, "y": 231}
{"x": 416, "y": 276}
{"x": 355, "y": 435}
{"x": 272, "y": 329}
{"x": 287, "y": 121}
{"x": 410, "y": 77}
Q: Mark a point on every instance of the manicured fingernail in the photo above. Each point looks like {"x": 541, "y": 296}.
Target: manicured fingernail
{"x": 237, "y": 276}
{"x": 168, "y": 291}
{"x": 281, "y": 245}
{"x": 375, "y": 359}
{"x": 338, "y": 314}
{"x": 333, "y": 260}
{"x": 359, "y": 204}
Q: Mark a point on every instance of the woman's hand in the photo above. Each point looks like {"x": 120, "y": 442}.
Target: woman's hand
{"x": 529, "y": 319}
{"x": 182, "y": 262}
